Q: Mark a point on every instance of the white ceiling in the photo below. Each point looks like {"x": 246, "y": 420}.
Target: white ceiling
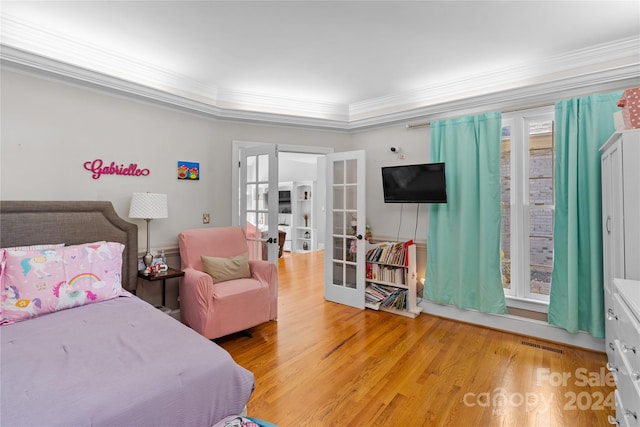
{"x": 343, "y": 60}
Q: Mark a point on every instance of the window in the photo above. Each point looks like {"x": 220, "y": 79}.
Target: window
{"x": 527, "y": 166}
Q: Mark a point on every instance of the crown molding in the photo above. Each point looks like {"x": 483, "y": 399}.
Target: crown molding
{"x": 534, "y": 95}
{"x": 28, "y": 49}
{"x": 28, "y": 63}
{"x": 47, "y": 45}
{"x": 600, "y": 58}
{"x": 76, "y": 59}
{"x": 236, "y": 100}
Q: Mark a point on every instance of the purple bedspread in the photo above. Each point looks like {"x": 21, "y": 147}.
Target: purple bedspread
{"x": 115, "y": 363}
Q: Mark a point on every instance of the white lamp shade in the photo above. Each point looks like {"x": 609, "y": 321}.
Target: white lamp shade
{"x": 148, "y": 206}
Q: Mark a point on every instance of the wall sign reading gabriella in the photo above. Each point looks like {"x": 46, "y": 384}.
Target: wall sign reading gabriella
{"x": 98, "y": 169}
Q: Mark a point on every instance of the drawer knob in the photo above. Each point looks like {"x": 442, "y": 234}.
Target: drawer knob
{"x": 611, "y": 315}
{"x": 613, "y": 421}
{"x": 611, "y": 367}
{"x": 627, "y": 348}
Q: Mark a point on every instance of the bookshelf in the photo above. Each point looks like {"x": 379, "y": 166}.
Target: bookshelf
{"x": 284, "y": 213}
{"x": 391, "y": 278}
{"x": 304, "y": 233}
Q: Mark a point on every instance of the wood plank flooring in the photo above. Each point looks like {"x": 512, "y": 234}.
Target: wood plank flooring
{"x": 326, "y": 364}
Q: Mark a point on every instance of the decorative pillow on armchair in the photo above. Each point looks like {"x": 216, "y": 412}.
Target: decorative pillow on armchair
{"x": 36, "y": 282}
{"x": 223, "y": 269}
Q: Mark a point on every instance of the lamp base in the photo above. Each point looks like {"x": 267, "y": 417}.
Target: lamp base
{"x": 147, "y": 259}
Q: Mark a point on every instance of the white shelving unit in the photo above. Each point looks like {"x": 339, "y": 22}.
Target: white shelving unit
{"x": 393, "y": 269}
{"x": 285, "y": 216}
{"x": 304, "y": 232}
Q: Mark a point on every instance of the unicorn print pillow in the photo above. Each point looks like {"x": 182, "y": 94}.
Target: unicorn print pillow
{"x": 41, "y": 281}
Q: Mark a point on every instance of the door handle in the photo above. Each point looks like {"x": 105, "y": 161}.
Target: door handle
{"x": 359, "y": 236}
{"x": 608, "y": 225}
{"x": 270, "y": 240}
{"x": 629, "y": 348}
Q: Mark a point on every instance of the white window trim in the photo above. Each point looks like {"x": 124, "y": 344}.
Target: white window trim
{"x": 528, "y": 304}
{"x": 519, "y": 295}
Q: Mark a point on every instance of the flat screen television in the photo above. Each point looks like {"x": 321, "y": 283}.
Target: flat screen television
{"x": 424, "y": 183}
{"x": 284, "y": 201}
{"x": 284, "y": 196}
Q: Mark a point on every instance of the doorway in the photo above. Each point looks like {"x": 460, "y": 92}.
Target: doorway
{"x": 301, "y": 209}
{"x": 301, "y": 171}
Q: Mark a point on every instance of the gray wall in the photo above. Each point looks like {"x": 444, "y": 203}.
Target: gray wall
{"x": 50, "y": 129}
{"x": 388, "y": 221}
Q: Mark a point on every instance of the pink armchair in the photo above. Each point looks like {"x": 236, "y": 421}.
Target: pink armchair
{"x": 219, "y": 309}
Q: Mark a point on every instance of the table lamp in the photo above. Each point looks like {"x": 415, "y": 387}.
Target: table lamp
{"x": 148, "y": 206}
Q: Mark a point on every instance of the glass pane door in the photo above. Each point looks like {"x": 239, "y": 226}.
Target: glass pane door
{"x": 345, "y": 255}
{"x": 259, "y": 200}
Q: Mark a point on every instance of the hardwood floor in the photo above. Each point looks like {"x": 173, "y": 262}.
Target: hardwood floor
{"x": 326, "y": 364}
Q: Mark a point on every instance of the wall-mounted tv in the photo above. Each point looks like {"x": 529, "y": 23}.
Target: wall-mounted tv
{"x": 284, "y": 196}
{"x": 424, "y": 183}
{"x": 284, "y": 201}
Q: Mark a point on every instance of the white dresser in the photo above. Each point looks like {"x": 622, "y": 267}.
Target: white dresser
{"x": 626, "y": 357}
{"x": 621, "y": 262}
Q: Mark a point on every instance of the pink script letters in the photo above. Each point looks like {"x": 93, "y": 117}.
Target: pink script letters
{"x": 98, "y": 169}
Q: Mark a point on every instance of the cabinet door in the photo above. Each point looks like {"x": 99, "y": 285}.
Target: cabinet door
{"x": 612, "y": 243}
{"x": 344, "y": 274}
{"x": 617, "y": 260}
{"x": 606, "y": 222}
{"x": 631, "y": 178}
{"x": 612, "y": 214}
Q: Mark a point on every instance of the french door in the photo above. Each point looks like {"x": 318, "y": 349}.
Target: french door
{"x": 258, "y": 194}
{"x": 344, "y": 273}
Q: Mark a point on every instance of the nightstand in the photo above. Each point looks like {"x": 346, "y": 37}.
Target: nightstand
{"x": 164, "y": 275}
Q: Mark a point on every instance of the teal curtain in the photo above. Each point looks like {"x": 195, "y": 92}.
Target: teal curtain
{"x": 582, "y": 125}
{"x": 463, "y": 259}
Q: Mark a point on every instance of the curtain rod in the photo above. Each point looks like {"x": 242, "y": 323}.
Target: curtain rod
{"x": 506, "y": 111}
{"x": 417, "y": 125}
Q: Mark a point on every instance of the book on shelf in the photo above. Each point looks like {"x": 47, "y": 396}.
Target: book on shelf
{"x": 386, "y": 296}
{"x": 396, "y": 300}
{"x": 390, "y": 277}
{"x": 386, "y": 273}
{"x": 406, "y": 252}
{"x": 377, "y": 293}
{"x": 389, "y": 253}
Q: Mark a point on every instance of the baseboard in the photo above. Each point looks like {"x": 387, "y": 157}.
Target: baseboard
{"x": 517, "y": 325}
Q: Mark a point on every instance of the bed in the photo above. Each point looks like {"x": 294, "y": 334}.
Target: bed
{"x": 116, "y": 362}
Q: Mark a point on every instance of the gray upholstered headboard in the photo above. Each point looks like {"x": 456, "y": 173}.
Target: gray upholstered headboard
{"x": 71, "y": 223}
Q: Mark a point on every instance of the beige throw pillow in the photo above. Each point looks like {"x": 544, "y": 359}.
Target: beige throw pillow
{"x": 223, "y": 269}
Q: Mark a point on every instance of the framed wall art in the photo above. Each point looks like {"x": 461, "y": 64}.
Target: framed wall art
{"x": 189, "y": 170}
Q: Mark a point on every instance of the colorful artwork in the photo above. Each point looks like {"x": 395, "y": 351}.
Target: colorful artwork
{"x": 188, "y": 170}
